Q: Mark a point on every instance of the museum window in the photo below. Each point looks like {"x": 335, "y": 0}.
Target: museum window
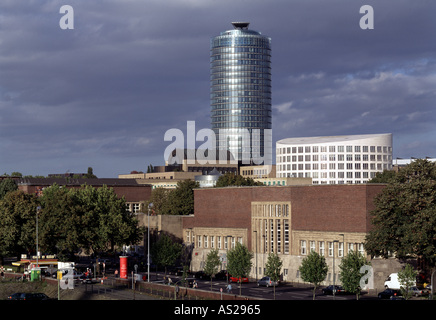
{"x": 303, "y": 247}
{"x": 321, "y": 248}
{"x": 312, "y": 245}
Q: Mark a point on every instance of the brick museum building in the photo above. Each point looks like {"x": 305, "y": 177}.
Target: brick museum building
{"x": 288, "y": 220}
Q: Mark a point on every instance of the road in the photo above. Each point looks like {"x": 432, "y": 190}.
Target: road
{"x": 282, "y": 292}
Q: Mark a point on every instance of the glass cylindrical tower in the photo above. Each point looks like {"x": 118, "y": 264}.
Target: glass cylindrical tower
{"x": 240, "y": 64}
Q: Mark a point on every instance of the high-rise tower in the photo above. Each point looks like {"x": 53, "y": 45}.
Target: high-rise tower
{"x": 240, "y": 63}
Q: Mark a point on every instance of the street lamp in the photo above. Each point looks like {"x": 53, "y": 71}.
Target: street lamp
{"x": 37, "y": 212}
{"x": 148, "y": 243}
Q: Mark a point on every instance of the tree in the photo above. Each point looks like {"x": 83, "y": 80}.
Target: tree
{"x": 407, "y": 279}
{"x": 239, "y": 262}
{"x": 94, "y": 219}
{"x": 106, "y": 221}
{"x": 314, "y": 269}
{"x": 17, "y": 223}
{"x": 90, "y": 174}
{"x": 383, "y": 177}
{"x": 273, "y": 268}
{"x": 7, "y": 185}
{"x": 181, "y": 199}
{"x": 159, "y": 198}
{"x": 59, "y": 222}
{"x": 212, "y": 263}
{"x": 350, "y": 274}
{"x": 150, "y": 169}
{"x": 165, "y": 252}
{"x": 231, "y": 179}
{"x": 404, "y": 219}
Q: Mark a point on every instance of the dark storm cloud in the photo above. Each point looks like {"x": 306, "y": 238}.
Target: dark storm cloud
{"x": 104, "y": 94}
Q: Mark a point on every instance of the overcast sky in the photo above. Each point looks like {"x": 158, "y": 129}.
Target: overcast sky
{"x": 103, "y": 94}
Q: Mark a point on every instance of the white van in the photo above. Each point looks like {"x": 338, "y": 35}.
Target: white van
{"x": 393, "y": 283}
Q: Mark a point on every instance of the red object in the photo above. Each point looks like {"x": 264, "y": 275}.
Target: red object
{"x": 238, "y": 280}
{"x": 123, "y": 267}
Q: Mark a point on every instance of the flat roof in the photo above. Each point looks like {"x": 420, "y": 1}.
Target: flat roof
{"x": 330, "y": 139}
{"x": 110, "y": 182}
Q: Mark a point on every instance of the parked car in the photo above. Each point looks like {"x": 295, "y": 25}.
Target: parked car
{"x": 15, "y": 296}
{"x": 337, "y": 289}
{"x": 238, "y": 280}
{"x": 392, "y": 294}
{"x": 28, "y": 296}
{"x": 419, "y": 292}
{"x": 201, "y": 275}
{"x": 267, "y": 281}
{"x": 177, "y": 271}
{"x": 222, "y": 275}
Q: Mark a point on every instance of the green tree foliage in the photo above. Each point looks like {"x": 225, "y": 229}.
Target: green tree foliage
{"x": 89, "y": 218}
{"x": 383, "y": 177}
{"x": 404, "y": 219}
{"x": 58, "y": 222}
{"x": 407, "y": 279}
{"x": 239, "y": 262}
{"x": 17, "y": 223}
{"x": 182, "y": 198}
{"x": 150, "y": 169}
{"x": 90, "y": 174}
{"x": 7, "y": 185}
{"x": 231, "y": 179}
{"x": 165, "y": 252}
{"x": 350, "y": 274}
{"x": 105, "y": 219}
{"x": 212, "y": 263}
{"x": 313, "y": 269}
{"x": 273, "y": 268}
{"x": 178, "y": 201}
{"x": 159, "y": 199}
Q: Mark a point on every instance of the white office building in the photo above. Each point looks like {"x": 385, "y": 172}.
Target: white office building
{"x": 350, "y": 159}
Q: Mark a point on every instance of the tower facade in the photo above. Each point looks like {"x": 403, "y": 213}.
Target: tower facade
{"x": 240, "y": 66}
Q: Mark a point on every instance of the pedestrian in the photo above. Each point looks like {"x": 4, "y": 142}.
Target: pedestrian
{"x": 116, "y": 273}
{"x": 229, "y": 288}
{"x": 169, "y": 281}
{"x": 177, "y": 290}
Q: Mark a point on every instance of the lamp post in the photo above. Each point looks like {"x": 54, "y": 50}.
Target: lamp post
{"x": 37, "y": 212}
{"x": 148, "y": 243}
